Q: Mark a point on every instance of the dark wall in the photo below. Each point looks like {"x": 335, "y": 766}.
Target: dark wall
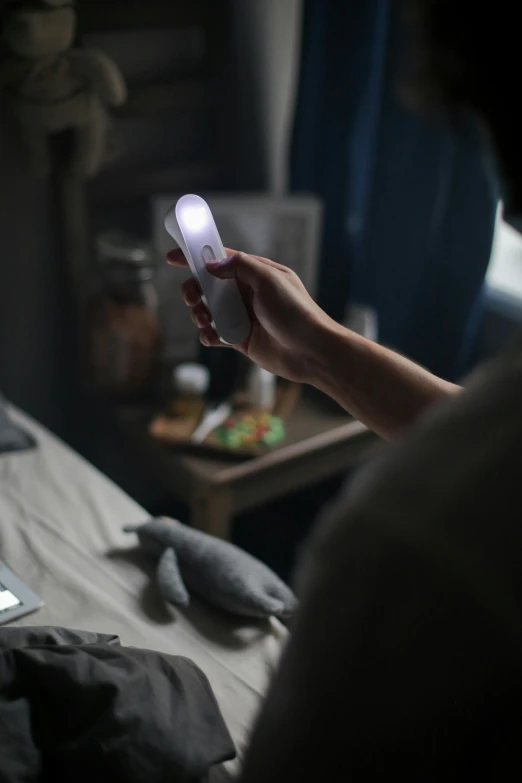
{"x": 31, "y": 335}
{"x": 34, "y": 316}
{"x": 173, "y": 148}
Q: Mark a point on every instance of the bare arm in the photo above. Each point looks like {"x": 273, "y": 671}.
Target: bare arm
{"x": 381, "y": 388}
{"x": 292, "y": 337}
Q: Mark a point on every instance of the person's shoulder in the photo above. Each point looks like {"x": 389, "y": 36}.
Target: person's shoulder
{"x": 406, "y": 648}
{"x": 450, "y": 489}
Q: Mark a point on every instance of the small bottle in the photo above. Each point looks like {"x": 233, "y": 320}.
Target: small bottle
{"x": 261, "y": 389}
{"x": 190, "y": 381}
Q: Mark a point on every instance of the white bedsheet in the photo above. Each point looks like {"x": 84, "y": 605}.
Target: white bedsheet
{"x": 60, "y": 531}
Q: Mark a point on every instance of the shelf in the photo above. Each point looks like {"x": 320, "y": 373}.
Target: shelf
{"x": 116, "y": 186}
{"x": 158, "y": 99}
{"x": 100, "y": 15}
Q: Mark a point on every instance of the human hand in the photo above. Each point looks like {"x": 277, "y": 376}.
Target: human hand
{"x": 286, "y": 323}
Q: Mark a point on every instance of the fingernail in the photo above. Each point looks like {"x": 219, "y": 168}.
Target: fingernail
{"x": 215, "y": 264}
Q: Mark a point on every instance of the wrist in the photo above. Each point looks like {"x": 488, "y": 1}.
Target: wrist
{"x": 330, "y": 347}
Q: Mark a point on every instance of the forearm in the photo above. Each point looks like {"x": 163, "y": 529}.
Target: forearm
{"x": 384, "y": 390}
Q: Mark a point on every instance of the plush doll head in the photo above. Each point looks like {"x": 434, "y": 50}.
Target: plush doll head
{"x": 38, "y": 30}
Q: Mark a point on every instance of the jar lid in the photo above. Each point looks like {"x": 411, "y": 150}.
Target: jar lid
{"x": 191, "y": 378}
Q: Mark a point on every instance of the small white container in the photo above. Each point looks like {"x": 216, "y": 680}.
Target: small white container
{"x": 190, "y": 379}
{"x": 261, "y": 389}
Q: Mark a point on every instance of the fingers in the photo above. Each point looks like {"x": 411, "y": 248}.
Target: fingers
{"x": 240, "y": 266}
{"x": 176, "y": 258}
{"x": 192, "y": 297}
{"x": 200, "y": 316}
{"x": 209, "y": 338}
{"x": 267, "y": 261}
{"x": 190, "y": 291}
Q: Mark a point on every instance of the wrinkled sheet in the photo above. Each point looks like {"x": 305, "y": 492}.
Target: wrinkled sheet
{"x": 61, "y": 533}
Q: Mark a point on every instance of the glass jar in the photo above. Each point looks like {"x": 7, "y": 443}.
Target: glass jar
{"x": 124, "y": 330}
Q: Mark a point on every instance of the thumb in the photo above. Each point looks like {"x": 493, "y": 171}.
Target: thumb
{"x": 238, "y": 266}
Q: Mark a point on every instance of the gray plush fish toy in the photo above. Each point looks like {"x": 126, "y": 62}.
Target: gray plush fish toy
{"x": 221, "y": 573}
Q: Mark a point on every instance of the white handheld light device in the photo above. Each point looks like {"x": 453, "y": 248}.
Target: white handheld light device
{"x": 190, "y": 223}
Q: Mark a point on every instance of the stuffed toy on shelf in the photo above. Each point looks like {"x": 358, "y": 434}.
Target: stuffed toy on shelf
{"x": 52, "y": 87}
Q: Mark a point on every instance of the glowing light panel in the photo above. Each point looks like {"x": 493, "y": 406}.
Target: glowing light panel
{"x": 194, "y": 218}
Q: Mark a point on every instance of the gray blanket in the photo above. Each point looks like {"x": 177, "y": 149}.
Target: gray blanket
{"x": 78, "y": 706}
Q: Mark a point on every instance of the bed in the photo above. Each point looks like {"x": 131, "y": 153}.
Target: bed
{"x": 61, "y": 532}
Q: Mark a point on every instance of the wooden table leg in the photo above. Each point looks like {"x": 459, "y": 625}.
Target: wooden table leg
{"x": 211, "y": 511}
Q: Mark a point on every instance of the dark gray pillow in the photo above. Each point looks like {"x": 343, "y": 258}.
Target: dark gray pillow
{"x": 12, "y": 437}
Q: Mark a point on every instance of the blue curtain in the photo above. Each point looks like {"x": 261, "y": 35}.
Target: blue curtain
{"x": 409, "y": 204}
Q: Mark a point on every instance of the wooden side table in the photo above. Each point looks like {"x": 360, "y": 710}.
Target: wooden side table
{"x": 320, "y": 443}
